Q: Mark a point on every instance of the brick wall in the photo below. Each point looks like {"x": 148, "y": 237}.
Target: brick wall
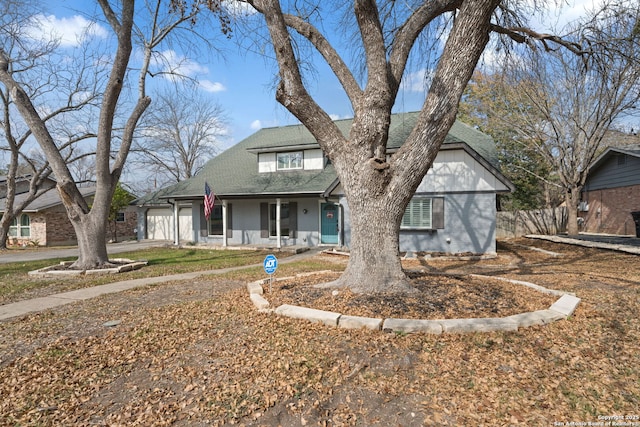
{"x": 609, "y": 210}
{"x": 38, "y": 228}
{"x": 38, "y": 231}
{"x": 59, "y": 228}
{"x": 125, "y": 230}
{"x": 53, "y": 228}
{"x": 61, "y": 232}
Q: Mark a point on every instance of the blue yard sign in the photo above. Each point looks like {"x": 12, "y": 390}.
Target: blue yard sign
{"x": 270, "y": 264}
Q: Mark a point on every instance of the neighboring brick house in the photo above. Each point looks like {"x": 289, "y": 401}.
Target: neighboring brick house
{"x": 612, "y": 192}
{"x": 45, "y": 223}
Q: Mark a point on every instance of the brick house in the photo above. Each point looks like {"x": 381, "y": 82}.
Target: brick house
{"x": 44, "y": 221}
{"x": 612, "y": 192}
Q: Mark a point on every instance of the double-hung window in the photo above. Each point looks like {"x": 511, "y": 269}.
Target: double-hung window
{"x": 20, "y": 227}
{"x": 418, "y": 214}
{"x": 290, "y": 160}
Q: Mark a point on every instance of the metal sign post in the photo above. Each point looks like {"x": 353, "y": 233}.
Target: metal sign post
{"x": 270, "y": 265}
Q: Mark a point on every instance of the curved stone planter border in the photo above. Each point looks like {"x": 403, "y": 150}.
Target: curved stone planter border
{"x": 127, "y": 265}
{"x": 561, "y": 309}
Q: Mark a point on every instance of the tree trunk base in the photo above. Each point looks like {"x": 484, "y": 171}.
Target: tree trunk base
{"x": 383, "y": 285}
{"x": 80, "y": 265}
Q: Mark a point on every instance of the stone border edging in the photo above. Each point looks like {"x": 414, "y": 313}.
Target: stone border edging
{"x": 51, "y": 271}
{"x": 561, "y": 309}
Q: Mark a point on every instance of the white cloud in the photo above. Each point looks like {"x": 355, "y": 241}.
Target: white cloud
{"x": 68, "y": 31}
{"x": 256, "y": 125}
{"x": 213, "y": 87}
{"x": 339, "y": 117}
{"x": 238, "y": 8}
{"x": 171, "y": 62}
{"x": 416, "y": 81}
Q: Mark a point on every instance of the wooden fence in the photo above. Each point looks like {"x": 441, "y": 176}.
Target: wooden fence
{"x": 520, "y": 223}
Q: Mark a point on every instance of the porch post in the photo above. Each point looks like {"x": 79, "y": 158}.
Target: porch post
{"x": 176, "y": 223}
{"x": 224, "y": 223}
{"x": 278, "y": 236}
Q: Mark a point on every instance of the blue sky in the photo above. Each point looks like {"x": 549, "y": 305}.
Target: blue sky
{"x": 240, "y": 81}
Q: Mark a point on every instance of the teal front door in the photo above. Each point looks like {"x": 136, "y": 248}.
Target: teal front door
{"x": 329, "y": 224}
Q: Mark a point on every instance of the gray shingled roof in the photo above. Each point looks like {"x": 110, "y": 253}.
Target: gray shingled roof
{"x": 234, "y": 172}
{"x": 48, "y": 200}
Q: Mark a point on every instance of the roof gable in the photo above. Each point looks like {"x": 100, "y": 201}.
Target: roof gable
{"x": 234, "y": 172}
{"x": 631, "y": 150}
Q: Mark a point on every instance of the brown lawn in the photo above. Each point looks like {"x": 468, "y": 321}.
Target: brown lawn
{"x": 198, "y": 353}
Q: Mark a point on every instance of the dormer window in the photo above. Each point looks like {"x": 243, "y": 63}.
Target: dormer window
{"x": 290, "y": 160}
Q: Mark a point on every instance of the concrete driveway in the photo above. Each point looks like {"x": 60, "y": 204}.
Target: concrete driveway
{"x": 35, "y": 254}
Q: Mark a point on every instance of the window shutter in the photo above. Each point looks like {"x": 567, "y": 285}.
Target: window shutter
{"x": 293, "y": 220}
{"x": 229, "y": 221}
{"x": 437, "y": 218}
{"x": 264, "y": 220}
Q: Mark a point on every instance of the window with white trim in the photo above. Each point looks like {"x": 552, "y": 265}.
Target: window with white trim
{"x": 215, "y": 221}
{"x": 289, "y": 161}
{"x": 20, "y": 227}
{"x": 418, "y": 214}
{"x": 284, "y": 220}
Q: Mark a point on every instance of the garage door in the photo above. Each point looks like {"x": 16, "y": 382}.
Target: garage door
{"x": 186, "y": 225}
{"x": 160, "y": 224}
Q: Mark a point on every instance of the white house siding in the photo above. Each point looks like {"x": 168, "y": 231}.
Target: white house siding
{"x": 456, "y": 170}
{"x": 313, "y": 159}
{"x": 266, "y": 162}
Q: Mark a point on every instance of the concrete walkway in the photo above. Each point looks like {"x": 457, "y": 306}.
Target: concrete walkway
{"x": 630, "y": 245}
{"x": 37, "y": 254}
{"x": 21, "y": 308}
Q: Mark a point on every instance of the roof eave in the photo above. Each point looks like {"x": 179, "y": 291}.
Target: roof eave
{"x": 283, "y": 148}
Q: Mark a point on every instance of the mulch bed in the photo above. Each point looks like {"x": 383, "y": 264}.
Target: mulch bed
{"x": 439, "y": 296}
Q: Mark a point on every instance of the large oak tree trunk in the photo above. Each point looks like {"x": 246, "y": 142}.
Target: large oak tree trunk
{"x": 374, "y": 263}
{"x": 378, "y": 184}
{"x": 91, "y": 235}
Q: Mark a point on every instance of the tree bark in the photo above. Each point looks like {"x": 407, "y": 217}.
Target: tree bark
{"x": 572, "y": 199}
{"x": 91, "y": 235}
{"x": 374, "y": 264}
{"x": 5, "y": 223}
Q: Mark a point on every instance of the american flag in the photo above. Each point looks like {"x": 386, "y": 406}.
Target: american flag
{"x": 208, "y": 200}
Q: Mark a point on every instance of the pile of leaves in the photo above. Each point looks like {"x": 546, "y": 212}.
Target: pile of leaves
{"x": 198, "y": 353}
